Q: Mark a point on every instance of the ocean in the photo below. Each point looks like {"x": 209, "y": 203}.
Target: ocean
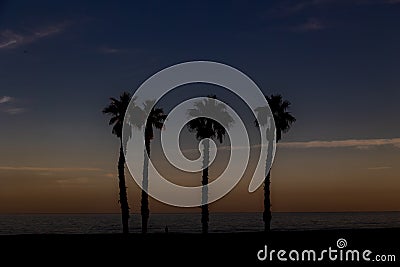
{"x": 190, "y": 223}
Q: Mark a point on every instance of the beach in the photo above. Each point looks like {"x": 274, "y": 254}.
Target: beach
{"x": 188, "y": 249}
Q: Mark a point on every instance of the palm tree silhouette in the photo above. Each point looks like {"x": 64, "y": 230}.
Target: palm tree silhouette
{"x": 155, "y": 118}
{"x": 117, "y": 109}
{"x": 205, "y": 128}
{"x": 283, "y": 121}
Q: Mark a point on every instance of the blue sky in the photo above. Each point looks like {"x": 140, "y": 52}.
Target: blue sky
{"x": 337, "y": 57}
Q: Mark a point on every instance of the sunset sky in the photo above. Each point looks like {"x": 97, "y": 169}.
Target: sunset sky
{"x": 337, "y": 61}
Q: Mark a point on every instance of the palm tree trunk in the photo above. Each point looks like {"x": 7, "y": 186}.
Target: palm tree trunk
{"x": 145, "y": 212}
{"x": 204, "y": 182}
{"x": 267, "y": 216}
{"x": 123, "y": 199}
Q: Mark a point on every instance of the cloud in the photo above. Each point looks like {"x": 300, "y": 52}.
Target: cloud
{"x": 311, "y": 24}
{"x": 8, "y": 106}
{"x": 285, "y": 9}
{"x": 5, "y": 99}
{"x": 351, "y": 143}
{"x": 8, "y": 43}
{"x": 50, "y": 30}
{"x": 14, "y": 111}
{"x": 110, "y": 175}
{"x": 56, "y": 171}
{"x": 379, "y": 168}
{"x": 10, "y": 39}
{"x": 73, "y": 181}
{"x": 48, "y": 169}
{"x": 109, "y": 50}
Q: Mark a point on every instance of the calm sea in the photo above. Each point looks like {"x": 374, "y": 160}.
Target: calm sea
{"x": 190, "y": 223}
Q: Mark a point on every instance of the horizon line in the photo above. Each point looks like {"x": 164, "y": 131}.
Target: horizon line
{"x": 160, "y": 213}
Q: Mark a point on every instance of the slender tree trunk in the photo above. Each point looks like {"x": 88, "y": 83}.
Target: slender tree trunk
{"x": 267, "y": 216}
{"x": 204, "y": 182}
{"x": 145, "y": 212}
{"x": 123, "y": 199}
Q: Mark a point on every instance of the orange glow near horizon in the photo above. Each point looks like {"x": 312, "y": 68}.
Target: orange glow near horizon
{"x": 303, "y": 180}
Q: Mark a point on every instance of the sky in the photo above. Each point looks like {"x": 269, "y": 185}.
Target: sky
{"x": 336, "y": 61}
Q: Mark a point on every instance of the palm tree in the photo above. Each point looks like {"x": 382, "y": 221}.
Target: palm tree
{"x": 283, "y": 121}
{"x": 208, "y": 128}
{"x": 156, "y": 118}
{"x": 117, "y": 109}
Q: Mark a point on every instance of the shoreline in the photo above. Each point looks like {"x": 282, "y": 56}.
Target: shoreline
{"x": 273, "y": 231}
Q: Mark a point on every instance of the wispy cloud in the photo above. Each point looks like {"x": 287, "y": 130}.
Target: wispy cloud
{"x": 311, "y": 24}
{"x": 73, "y": 181}
{"x": 49, "y": 30}
{"x": 7, "y": 43}
{"x": 379, "y": 168}
{"x": 351, "y": 143}
{"x": 355, "y": 143}
{"x": 288, "y": 8}
{"x": 8, "y": 106}
{"x": 14, "y": 111}
{"x": 110, "y": 175}
{"x": 10, "y": 39}
{"x": 48, "y": 169}
{"x": 5, "y": 99}
{"x": 109, "y": 50}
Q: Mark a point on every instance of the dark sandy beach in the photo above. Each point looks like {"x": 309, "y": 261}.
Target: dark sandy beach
{"x": 188, "y": 249}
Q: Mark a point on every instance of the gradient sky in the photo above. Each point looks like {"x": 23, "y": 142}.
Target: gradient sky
{"x": 337, "y": 61}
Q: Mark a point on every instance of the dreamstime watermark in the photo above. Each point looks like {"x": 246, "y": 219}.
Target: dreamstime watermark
{"x": 153, "y": 89}
{"x": 338, "y": 253}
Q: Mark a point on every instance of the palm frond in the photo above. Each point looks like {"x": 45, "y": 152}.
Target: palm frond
{"x": 203, "y": 125}
{"x": 117, "y": 109}
{"x": 282, "y": 117}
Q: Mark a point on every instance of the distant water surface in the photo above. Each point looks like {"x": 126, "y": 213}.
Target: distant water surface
{"x": 190, "y": 223}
